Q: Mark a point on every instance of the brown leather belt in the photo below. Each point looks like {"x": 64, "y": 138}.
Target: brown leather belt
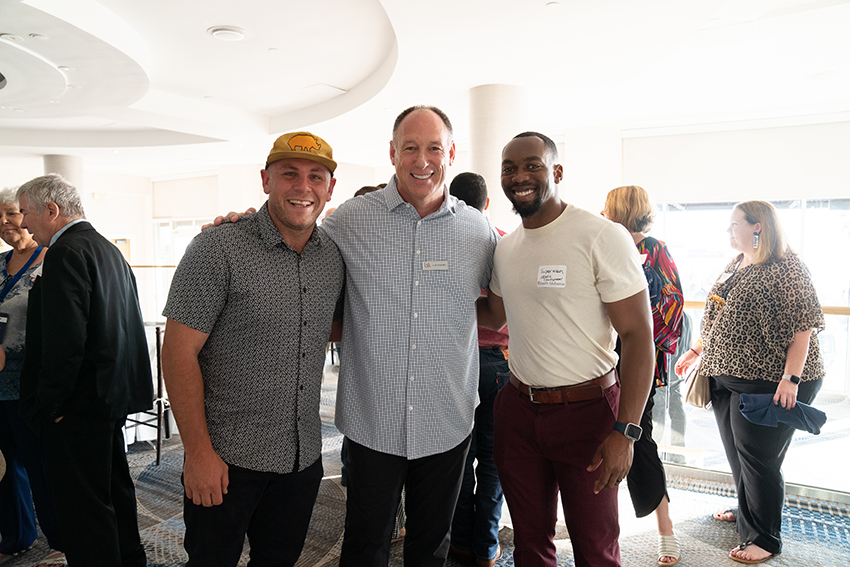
{"x": 590, "y": 390}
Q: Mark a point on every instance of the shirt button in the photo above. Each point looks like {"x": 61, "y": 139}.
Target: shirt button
{"x": 305, "y": 323}
{"x": 415, "y": 315}
{"x": 304, "y": 290}
{"x": 303, "y": 354}
{"x": 410, "y": 408}
{"x": 416, "y": 282}
{"x": 417, "y": 252}
{"x": 411, "y": 378}
{"x": 413, "y": 347}
{"x": 418, "y": 223}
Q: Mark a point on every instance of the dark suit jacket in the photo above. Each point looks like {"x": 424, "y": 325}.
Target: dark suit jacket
{"x": 86, "y": 351}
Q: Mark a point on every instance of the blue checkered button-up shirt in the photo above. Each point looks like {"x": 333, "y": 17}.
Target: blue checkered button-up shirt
{"x": 408, "y": 383}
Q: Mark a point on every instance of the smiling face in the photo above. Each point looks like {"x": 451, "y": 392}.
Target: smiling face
{"x": 529, "y": 180}
{"x": 10, "y": 225}
{"x": 741, "y": 232}
{"x": 298, "y": 190}
{"x": 422, "y": 152}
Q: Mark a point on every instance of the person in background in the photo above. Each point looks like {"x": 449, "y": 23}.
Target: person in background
{"x": 26, "y": 479}
{"x": 759, "y": 336}
{"x": 475, "y": 526}
{"x": 631, "y": 207}
{"x": 86, "y": 367}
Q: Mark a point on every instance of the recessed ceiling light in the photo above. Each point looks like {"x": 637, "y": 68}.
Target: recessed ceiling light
{"x": 38, "y": 36}
{"x": 227, "y": 33}
{"x": 10, "y": 37}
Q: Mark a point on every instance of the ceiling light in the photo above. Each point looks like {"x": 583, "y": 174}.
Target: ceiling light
{"x": 226, "y": 33}
{"x": 38, "y": 36}
{"x": 10, "y": 37}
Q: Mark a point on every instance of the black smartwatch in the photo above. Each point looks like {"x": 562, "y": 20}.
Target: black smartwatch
{"x": 630, "y": 430}
{"x": 791, "y": 378}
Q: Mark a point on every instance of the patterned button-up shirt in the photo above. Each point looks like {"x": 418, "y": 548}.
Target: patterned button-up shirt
{"x": 408, "y": 383}
{"x": 268, "y": 311}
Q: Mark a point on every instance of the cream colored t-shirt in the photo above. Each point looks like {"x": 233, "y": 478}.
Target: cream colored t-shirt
{"x": 554, "y": 281}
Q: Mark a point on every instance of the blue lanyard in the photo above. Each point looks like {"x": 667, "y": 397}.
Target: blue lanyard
{"x": 10, "y": 281}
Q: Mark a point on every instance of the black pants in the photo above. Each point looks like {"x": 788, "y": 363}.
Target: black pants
{"x": 647, "y": 479}
{"x": 755, "y": 454}
{"x": 375, "y": 480}
{"x": 272, "y": 509}
{"x": 93, "y": 493}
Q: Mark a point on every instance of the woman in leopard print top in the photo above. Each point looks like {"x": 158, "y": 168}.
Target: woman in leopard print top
{"x": 759, "y": 336}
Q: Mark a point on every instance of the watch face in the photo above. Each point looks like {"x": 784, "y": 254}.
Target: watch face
{"x": 633, "y": 431}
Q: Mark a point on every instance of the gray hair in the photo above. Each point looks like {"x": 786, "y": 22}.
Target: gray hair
{"x": 8, "y": 196}
{"x": 52, "y": 188}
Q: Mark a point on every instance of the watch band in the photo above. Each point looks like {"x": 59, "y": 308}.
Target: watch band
{"x": 791, "y": 378}
{"x": 630, "y": 430}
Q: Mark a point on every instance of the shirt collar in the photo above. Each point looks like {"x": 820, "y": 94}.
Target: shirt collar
{"x": 271, "y": 236}
{"x": 394, "y": 199}
{"x": 62, "y": 230}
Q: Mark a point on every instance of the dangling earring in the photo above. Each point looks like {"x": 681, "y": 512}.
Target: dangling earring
{"x": 755, "y": 240}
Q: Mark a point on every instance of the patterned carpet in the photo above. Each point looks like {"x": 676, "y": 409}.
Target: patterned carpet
{"x": 815, "y": 533}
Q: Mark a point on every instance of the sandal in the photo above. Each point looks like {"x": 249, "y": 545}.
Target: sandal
{"x": 748, "y": 561}
{"x": 54, "y": 558}
{"x": 733, "y": 512}
{"x": 668, "y": 546}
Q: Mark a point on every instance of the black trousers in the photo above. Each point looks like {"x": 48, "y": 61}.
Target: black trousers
{"x": 647, "y": 478}
{"x": 272, "y": 509}
{"x": 93, "y": 492}
{"x": 755, "y": 454}
{"x": 375, "y": 481}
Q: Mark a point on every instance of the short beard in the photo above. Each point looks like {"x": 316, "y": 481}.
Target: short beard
{"x": 528, "y": 209}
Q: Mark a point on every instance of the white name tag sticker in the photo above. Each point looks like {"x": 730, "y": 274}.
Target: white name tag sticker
{"x": 552, "y": 276}
{"x": 644, "y": 258}
{"x": 723, "y": 277}
{"x": 436, "y": 265}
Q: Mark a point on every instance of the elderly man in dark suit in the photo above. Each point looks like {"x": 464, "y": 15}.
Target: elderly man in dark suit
{"x": 86, "y": 369}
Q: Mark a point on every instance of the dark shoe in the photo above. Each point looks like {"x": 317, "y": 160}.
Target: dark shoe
{"x": 462, "y": 555}
{"x": 485, "y": 563}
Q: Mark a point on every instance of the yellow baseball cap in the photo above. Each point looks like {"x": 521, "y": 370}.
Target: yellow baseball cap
{"x": 302, "y": 145}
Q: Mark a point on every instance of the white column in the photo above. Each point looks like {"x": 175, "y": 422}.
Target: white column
{"x": 497, "y": 113}
{"x": 69, "y": 167}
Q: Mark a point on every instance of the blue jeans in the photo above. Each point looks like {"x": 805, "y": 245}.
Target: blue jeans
{"x": 25, "y": 472}
{"x": 475, "y": 526}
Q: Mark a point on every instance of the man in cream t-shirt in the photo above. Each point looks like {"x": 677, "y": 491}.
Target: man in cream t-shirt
{"x": 566, "y": 280}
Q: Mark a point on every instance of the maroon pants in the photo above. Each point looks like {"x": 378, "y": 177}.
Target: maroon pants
{"x": 541, "y": 447}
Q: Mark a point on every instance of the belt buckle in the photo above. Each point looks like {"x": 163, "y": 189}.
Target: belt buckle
{"x": 531, "y": 395}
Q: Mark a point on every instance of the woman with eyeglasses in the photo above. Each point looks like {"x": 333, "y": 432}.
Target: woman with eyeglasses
{"x": 759, "y": 336}
{"x": 25, "y": 481}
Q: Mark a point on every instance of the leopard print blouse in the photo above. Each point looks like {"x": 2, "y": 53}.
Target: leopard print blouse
{"x": 766, "y": 304}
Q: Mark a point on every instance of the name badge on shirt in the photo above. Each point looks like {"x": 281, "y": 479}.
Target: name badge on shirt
{"x": 436, "y": 265}
{"x": 552, "y": 276}
{"x": 724, "y": 276}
